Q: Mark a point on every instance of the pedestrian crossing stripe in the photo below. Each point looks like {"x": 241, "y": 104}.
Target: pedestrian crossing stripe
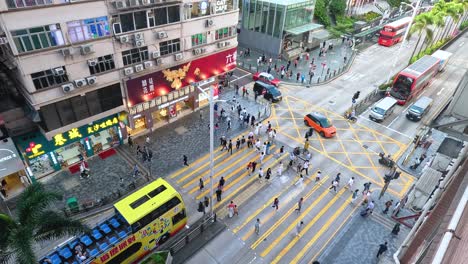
{"x": 310, "y": 224}
{"x": 180, "y": 171}
{"x": 206, "y": 173}
{"x": 301, "y": 216}
{"x": 267, "y": 204}
{"x": 285, "y": 216}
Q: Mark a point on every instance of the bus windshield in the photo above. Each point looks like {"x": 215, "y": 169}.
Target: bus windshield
{"x": 402, "y": 87}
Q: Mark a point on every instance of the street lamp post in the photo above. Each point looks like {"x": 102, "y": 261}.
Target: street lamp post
{"x": 415, "y": 11}
{"x": 211, "y": 101}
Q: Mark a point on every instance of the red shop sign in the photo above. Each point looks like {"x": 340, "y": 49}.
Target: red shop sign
{"x": 160, "y": 83}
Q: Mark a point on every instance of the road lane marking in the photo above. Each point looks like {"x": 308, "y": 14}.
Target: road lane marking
{"x": 180, "y": 171}
{"x": 218, "y": 165}
{"x": 286, "y": 215}
{"x": 268, "y": 204}
{"x": 393, "y": 130}
{"x": 334, "y": 233}
{"x": 251, "y": 179}
{"x": 294, "y": 224}
{"x": 440, "y": 92}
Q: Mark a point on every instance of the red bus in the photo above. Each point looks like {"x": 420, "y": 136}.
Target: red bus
{"x": 393, "y": 33}
{"x": 412, "y": 80}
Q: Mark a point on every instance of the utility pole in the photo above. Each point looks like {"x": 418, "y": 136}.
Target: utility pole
{"x": 393, "y": 175}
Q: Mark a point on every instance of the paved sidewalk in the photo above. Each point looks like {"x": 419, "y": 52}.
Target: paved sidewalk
{"x": 333, "y": 60}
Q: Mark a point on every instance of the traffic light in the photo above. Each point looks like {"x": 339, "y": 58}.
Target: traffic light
{"x": 416, "y": 139}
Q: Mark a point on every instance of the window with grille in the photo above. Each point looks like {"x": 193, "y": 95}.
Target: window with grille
{"x": 135, "y": 55}
{"x": 27, "y": 3}
{"x": 198, "y": 39}
{"x": 86, "y": 29}
{"x": 223, "y": 33}
{"x": 104, "y": 63}
{"x": 47, "y": 78}
{"x": 169, "y": 47}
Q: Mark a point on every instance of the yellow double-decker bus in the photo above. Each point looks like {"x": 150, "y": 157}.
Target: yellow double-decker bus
{"x": 142, "y": 221}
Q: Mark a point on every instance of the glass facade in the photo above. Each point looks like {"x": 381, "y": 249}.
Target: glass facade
{"x": 268, "y": 17}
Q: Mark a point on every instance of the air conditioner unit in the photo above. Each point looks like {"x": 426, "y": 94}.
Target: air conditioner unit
{"x": 3, "y": 40}
{"x": 139, "y": 43}
{"x": 134, "y": 3}
{"x": 220, "y": 44}
{"x": 66, "y": 88}
{"x": 92, "y": 62}
{"x": 196, "y": 51}
{"x": 161, "y": 35}
{"x": 147, "y": 2}
{"x": 139, "y": 67}
{"x": 227, "y": 43}
{"x": 86, "y": 49}
{"x": 159, "y": 61}
{"x": 179, "y": 56}
{"x": 209, "y": 23}
{"x": 80, "y": 83}
{"x": 91, "y": 80}
{"x": 120, "y": 4}
{"x": 139, "y": 36}
{"x": 155, "y": 54}
{"x": 58, "y": 71}
{"x": 124, "y": 39}
{"x": 202, "y": 50}
{"x": 67, "y": 52}
{"x": 128, "y": 71}
{"x": 148, "y": 64}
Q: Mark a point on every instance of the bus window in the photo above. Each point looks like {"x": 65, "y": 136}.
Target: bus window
{"x": 124, "y": 255}
{"x": 402, "y": 87}
{"x": 156, "y": 213}
{"x": 178, "y": 217}
{"x": 157, "y": 191}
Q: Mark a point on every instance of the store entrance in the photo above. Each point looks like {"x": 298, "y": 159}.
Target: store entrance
{"x": 13, "y": 184}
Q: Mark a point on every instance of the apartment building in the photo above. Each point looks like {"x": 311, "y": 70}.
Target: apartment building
{"x": 94, "y": 71}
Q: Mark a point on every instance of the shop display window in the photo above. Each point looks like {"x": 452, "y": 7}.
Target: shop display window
{"x": 199, "y": 9}
{"x": 41, "y": 165}
{"x": 159, "y": 115}
{"x": 70, "y": 154}
{"x": 139, "y": 125}
{"x": 104, "y": 139}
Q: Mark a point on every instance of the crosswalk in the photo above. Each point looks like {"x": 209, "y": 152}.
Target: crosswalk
{"x": 322, "y": 210}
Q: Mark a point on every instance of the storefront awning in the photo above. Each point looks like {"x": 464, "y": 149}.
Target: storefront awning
{"x": 320, "y": 34}
{"x": 10, "y": 161}
{"x": 304, "y": 28}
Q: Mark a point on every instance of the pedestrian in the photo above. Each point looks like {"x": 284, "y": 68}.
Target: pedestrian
{"x": 306, "y": 145}
{"x": 354, "y": 196}
{"x": 185, "y": 161}
{"x": 228, "y": 123}
{"x": 201, "y": 207}
{"x": 337, "y": 178}
{"x": 135, "y": 170}
{"x": 236, "y": 210}
{"x": 147, "y": 140}
{"x": 276, "y": 203}
{"x": 299, "y": 204}
{"x": 299, "y": 227}
{"x": 396, "y": 208}
{"x": 366, "y": 187}
{"x": 262, "y": 156}
{"x": 268, "y": 174}
{"x": 242, "y": 141}
{"x": 396, "y": 229}
{"x": 333, "y": 185}
{"x": 249, "y": 168}
{"x": 298, "y": 75}
{"x": 138, "y": 150}
{"x": 302, "y": 78}
{"x": 237, "y": 89}
{"x": 288, "y": 65}
{"x": 350, "y": 183}
{"x": 308, "y": 156}
{"x": 257, "y": 226}
{"x": 387, "y": 206}
{"x": 273, "y": 137}
{"x": 311, "y": 75}
{"x": 300, "y": 181}
{"x": 295, "y": 63}
{"x": 370, "y": 207}
{"x": 130, "y": 141}
{"x": 382, "y": 249}
{"x": 318, "y": 176}
{"x": 230, "y": 146}
{"x": 201, "y": 184}
{"x": 344, "y": 59}
{"x": 222, "y": 181}
{"x": 305, "y": 167}
{"x": 280, "y": 168}
{"x": 231, "y": 209}
{"x": 207, "y": 201}
{"x": 219, "y": 191}
{"x": 268, "y": 146}
{"x": 244, "y": 91}
{"x": 238, "y": 142}
{"x": 282, "y": 73}
{"x": 254, "y": 165}
{"x": 260, "y": 173}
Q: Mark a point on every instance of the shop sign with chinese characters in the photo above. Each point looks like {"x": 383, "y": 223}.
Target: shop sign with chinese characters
{"x": 156, "y": 84}
{"x": 76, "y": 134}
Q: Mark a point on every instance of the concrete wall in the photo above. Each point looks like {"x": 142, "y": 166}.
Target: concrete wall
{"x": 457, "y": 107}
{"x": 256, "y": 40}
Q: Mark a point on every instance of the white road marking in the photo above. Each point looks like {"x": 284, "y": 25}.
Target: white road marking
{"x": 398, "y": 132}
{"x": 461, "y": 44}
{"x": 441, "y": 90}
{"x": 393, "y": 121}
{"x": 243, "y": 76}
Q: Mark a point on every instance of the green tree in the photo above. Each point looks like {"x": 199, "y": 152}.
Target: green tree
{"x": 337, "y": 7}
{"x": 453, "y": 11}
{"x": 321, "y": 13}
{"x": 34, "y": 223}
{"x": 422, "y": 23}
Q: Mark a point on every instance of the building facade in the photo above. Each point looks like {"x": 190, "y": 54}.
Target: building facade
{"x": 94, "y": 71}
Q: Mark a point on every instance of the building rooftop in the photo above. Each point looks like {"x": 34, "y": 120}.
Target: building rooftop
{"x": 286, "y": 2}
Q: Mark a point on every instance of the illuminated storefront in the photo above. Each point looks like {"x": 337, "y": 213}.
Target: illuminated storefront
{"x": 160, "y": 97}
{"x": 13, "y": 176}
{"x": 45, "y": 156}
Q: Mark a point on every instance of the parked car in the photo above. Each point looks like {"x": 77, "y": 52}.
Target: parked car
{"x": 321, "y": 124}
{"x": 266, "y": 78}
{"x": 269, "y": 91}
